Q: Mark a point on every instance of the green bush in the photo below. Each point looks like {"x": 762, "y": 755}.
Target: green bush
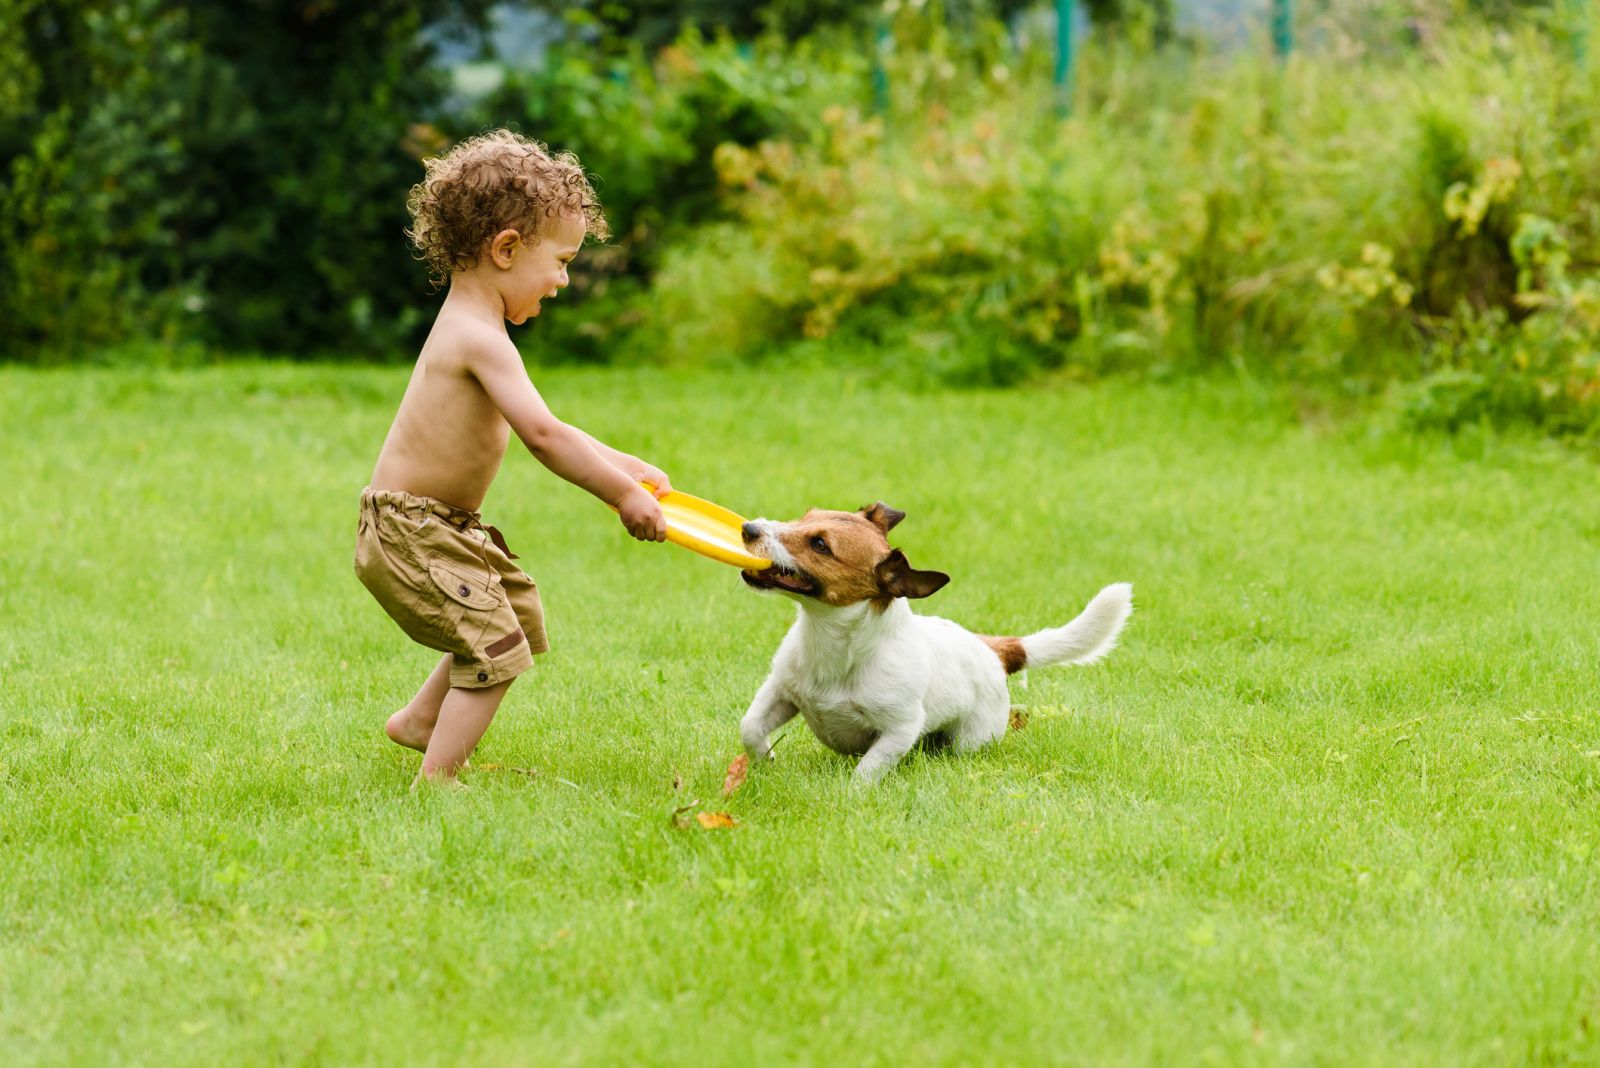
{"x": 609, "y": 26}
{"x": 648, "y": 128}
{"x": 93, "y": 131}
{"x": 1411, "y": 205}
{"x": 1374, "y": 219}
{"x": 233, "y": 173}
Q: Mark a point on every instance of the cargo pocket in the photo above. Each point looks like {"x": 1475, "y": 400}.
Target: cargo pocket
{"x": 400, "y": 532}
{"x": 464, "y": 606}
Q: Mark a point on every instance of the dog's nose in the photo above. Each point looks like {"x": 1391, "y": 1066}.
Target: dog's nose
{"x": 750, "y": 531}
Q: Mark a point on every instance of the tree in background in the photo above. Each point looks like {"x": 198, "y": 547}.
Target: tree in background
{"x": 92, "y": 100}
{"x": 300, "y": 159}
{"x": 652, "y": 24}
{"x": 1148, "y": 20}
{"x": 233, "y": 172}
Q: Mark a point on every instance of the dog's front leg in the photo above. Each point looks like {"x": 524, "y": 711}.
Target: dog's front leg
{"x": 769, "y": 711}
{"x": 895, "y": 742}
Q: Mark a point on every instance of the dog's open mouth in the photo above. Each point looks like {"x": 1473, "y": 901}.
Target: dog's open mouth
{"x": 780, "y": 578}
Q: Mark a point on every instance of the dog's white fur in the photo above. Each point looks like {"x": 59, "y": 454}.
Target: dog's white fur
{"x": 873, "y": 678}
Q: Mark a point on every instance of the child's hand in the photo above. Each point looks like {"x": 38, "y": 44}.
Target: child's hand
{"x": 642, "y": 516}
{"x": 657, "y": 478}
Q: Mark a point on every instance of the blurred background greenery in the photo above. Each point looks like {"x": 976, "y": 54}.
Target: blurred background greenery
{"x": 1406, "y": 203}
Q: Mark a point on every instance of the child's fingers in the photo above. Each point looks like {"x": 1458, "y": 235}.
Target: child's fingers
{"x": 649, "y": 529}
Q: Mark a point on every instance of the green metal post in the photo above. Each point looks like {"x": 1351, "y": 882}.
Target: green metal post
{"x": 1064, "y": 57}
{"x": 880, "y": 75}
{"x": 1282, "y": 28}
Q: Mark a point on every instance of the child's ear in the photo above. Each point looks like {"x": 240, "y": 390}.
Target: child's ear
{"x": 503, "y": 248}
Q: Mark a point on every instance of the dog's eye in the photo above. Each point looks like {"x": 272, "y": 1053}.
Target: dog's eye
{"x": 820, "y": 545}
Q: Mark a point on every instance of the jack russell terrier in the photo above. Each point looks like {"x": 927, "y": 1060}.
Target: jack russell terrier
{"x": 871, "y": 677}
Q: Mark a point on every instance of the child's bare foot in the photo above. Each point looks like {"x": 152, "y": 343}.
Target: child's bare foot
{"x": 403, "y": 729}
{"x": 439, "y": 780}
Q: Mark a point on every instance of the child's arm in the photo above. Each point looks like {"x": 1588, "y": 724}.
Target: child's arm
{"x": 564, "y": 449}
{"x": 632, "y": 466}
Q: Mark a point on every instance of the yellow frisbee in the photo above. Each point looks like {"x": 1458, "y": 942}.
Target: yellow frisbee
{"x": 708, "y": 529}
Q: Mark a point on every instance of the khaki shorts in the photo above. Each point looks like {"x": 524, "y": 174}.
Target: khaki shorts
{"x": 449, "y": 582}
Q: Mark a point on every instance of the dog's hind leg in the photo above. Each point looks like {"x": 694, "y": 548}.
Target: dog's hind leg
{"x": 769, "y": 711}
{"x": 978, "y": 729}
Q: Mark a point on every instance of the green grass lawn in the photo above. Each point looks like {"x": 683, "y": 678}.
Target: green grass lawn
{"x": 1333, "y": 801}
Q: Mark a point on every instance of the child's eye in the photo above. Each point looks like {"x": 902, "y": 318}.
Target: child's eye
{"x": 820, "y": 546}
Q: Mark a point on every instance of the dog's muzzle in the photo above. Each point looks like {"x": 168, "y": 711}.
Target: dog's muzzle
{"x": 777, "y": 577}
{"x": 782, "y": 579}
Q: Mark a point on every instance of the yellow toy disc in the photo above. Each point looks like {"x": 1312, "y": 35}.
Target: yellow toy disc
{"x": 708, "y": 529}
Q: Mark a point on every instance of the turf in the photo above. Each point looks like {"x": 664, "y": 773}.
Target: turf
{"x": 1332, "y": 801}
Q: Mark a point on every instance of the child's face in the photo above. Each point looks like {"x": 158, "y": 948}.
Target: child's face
{"x": 538, "y": 272}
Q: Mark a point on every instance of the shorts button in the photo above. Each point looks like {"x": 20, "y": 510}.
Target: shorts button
{"x": 465, "y": 591}
{"x": 483, "y": 676}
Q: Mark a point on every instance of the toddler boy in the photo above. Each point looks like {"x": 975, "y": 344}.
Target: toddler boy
{"x": 499, "y": 218}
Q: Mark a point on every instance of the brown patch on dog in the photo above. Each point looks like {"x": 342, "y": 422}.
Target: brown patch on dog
{"x": 843, "y": 558}
{"x": 1012, "y": 656}
{"x": 839, "y": 551}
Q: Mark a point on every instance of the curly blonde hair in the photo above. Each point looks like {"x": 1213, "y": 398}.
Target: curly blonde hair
{"x": 495, "y": 181}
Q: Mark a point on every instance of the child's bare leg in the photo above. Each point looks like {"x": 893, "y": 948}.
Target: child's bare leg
{"x": 463, "y": 717}
{"x": 412, "y": 726}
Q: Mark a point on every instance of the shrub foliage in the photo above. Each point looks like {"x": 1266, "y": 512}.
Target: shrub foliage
{"x": 226, "y": 172}
{"x": 1410, "y": 199}
{"x": 1350, "y": 216}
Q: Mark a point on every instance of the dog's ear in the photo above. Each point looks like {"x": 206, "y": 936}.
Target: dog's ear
{"x": 882, "y": 516}
{"x": 897, "y": 578}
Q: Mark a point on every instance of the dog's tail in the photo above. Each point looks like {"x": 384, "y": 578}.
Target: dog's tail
{"x": 1083, "y": 641}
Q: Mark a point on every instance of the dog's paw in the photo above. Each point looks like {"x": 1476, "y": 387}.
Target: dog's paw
{"x": 866, "y": 776}
{"x": 756, "y": 745}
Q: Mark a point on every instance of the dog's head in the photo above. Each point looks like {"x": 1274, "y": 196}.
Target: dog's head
{"x": 837, "y": 558}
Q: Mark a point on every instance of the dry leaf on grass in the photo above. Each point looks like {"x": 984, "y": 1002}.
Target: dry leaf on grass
{"x": 680, "y": 815}
{"x": 685, "y": 817}
{"x": 736, "y": 773}
{"x": 1019, "y": 718}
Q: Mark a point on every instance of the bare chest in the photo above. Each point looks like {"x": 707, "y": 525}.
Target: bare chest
{"x": 447, "y": 441}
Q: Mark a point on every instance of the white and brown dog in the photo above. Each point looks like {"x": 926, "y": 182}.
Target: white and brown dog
{"x": 870, "y": 676}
